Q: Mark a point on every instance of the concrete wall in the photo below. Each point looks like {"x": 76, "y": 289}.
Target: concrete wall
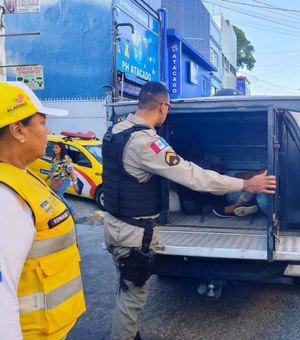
{"x": 74, "y": 47}
{"x": 85, "y": 115}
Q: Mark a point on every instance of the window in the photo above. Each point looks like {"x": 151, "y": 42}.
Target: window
{"x": 194, "y": 70}
{"x": 78, "y": 157}
{"x": 49, "y": 151}
{"x": 214, "y": 57}
{"x": 96, "y": 151}
{"x": 232, "y": 70}
{"x": 225, "y": 63}
{"x": 204, "y": 85}
{"x": 213, "y": 90}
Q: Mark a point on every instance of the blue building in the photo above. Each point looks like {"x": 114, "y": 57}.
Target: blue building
{"x": 189, "y": 71}
{"x": 85, "y": 53}
{"x": 189, "y": 48}
{"x": 243, "y": 85}
{"x": 106, "y": 50}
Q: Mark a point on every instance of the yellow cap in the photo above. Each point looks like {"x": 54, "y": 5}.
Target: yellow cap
{"x": 18, "y": 101}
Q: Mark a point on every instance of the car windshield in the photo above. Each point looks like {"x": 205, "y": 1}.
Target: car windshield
{"x": 96, "y": 151}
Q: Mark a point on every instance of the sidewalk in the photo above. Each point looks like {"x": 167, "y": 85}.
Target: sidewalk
{"x": 87, "y": 211}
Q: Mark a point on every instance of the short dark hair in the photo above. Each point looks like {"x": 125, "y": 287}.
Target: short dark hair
{"x": 151, "y": 94}
{"x": 24, "y": 121}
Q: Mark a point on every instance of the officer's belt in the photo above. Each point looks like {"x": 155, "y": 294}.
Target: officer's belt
{"x": 138, "y": 222}
{"x": 147, "y": 224}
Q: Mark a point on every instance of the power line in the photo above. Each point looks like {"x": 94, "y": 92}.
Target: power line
{"x": 253, "y": 15}
{"x": 264, "y": 7}
{"x": 270, "y": 83}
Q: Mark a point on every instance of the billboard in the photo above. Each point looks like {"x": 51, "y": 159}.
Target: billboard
{"x": 20, "y": 6}
{"x": 137, "y": 49}
{"x": 32, "y": 76}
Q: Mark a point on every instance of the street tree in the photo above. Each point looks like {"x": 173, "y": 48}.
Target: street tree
{"x": 244, "y": 50}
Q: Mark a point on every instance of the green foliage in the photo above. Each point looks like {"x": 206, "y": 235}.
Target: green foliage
{"x": 244, "y": 50}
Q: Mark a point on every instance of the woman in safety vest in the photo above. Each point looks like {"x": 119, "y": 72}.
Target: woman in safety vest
{"x": 40, "y": 282}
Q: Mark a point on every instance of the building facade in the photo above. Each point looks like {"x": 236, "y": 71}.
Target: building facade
{"x": 243, "y": 85}
{"x": 189, "y": 71}
{"x": 215, "y": 57}
{"x": 189, "y": 68}
{"x": 84, "y": 54}
{"x": 79, "y": 55}
{"x": 229, "y": 48}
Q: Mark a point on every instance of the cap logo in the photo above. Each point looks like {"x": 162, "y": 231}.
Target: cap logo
{"x": 20, "y": 100}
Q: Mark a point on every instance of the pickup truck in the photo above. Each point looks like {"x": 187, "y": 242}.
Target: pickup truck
{"x": 248, "y": 133}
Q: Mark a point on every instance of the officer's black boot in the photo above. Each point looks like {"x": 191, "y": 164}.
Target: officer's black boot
{"x": 137, "y": 337}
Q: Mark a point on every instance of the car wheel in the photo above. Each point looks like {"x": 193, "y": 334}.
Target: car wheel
{"x": 99, "y": 198}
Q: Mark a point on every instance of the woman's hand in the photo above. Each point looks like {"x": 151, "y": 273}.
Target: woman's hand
{"x": 75, "y": 186}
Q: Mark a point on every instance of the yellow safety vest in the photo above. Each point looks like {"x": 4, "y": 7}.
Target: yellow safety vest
{"x": 50, "y": 288}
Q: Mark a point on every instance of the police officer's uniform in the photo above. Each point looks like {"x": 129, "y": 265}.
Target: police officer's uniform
{"x": 146, "y": 154}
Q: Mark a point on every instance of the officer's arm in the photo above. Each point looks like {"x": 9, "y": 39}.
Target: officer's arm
{"x": 159, "y": 158}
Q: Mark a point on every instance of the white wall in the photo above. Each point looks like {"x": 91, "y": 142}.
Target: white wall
{"x": 84, "y": 115}
{"x": 215, "y": 44}
{"x": 229, "y": 49}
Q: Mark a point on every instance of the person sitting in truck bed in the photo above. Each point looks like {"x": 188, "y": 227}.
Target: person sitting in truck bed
{"x": 243, "y": 203}
{"x": 192, "y": 202}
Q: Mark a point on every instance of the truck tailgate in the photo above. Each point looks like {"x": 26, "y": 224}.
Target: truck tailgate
{"x": 219, "y": 244}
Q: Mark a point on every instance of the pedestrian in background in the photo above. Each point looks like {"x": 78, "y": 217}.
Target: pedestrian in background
{"x": 62, "y": 173}
{"x": 40, "y": 282}
{"x": 135, "y": 158}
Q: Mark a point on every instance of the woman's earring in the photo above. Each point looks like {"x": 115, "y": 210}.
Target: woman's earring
{"x": 22, "y": 140}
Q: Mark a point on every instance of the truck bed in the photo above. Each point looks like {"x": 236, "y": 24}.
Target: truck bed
{"x": 211, "y": 236}
{"x": 209, "y": 219}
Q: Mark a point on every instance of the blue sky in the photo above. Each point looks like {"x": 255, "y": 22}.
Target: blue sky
{"x": 273, "y": 28}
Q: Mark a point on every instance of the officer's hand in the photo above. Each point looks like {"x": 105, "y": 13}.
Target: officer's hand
{"x": 261, "y": 184}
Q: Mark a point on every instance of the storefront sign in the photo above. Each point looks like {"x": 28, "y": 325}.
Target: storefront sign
{"x": 137, "y": 42}
{"x": 32, "y": 76}
{"x": 174, "y": 54}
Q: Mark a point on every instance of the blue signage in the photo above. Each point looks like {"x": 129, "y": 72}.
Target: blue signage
{"x": 137, "y": 53}
{"x": 174, "y": 56}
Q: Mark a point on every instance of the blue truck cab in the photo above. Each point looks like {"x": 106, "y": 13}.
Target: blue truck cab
{"x": 248, "y": 133}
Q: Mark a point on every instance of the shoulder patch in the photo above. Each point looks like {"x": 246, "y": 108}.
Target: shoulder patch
{"x": 159, "y": 145}
{"x": 172, "y": 158}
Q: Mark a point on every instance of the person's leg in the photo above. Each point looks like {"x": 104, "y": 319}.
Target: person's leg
{"x": 129, "y": 304}
{"x": 61, "y": 192}
{"x": 240, "y": 207}
{"x": 243, "y": 198}
{"x": 239, "y": 201}
{"x": 262, "y": 202}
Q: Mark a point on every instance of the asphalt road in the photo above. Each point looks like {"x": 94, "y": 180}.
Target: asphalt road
{"x": 175, "y": 310}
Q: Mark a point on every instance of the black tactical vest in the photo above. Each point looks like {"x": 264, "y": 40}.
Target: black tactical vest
{"x": 124, "y": 196}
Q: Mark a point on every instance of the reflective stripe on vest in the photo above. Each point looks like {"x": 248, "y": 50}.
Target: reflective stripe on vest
{"x": 38, "y": 301}
{"x": 48, "y": 246}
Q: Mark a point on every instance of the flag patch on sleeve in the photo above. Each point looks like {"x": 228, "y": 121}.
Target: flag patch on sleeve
{"x": 158, "y": 145}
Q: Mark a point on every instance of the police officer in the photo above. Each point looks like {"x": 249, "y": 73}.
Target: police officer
{"x": 135, "y": 158}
